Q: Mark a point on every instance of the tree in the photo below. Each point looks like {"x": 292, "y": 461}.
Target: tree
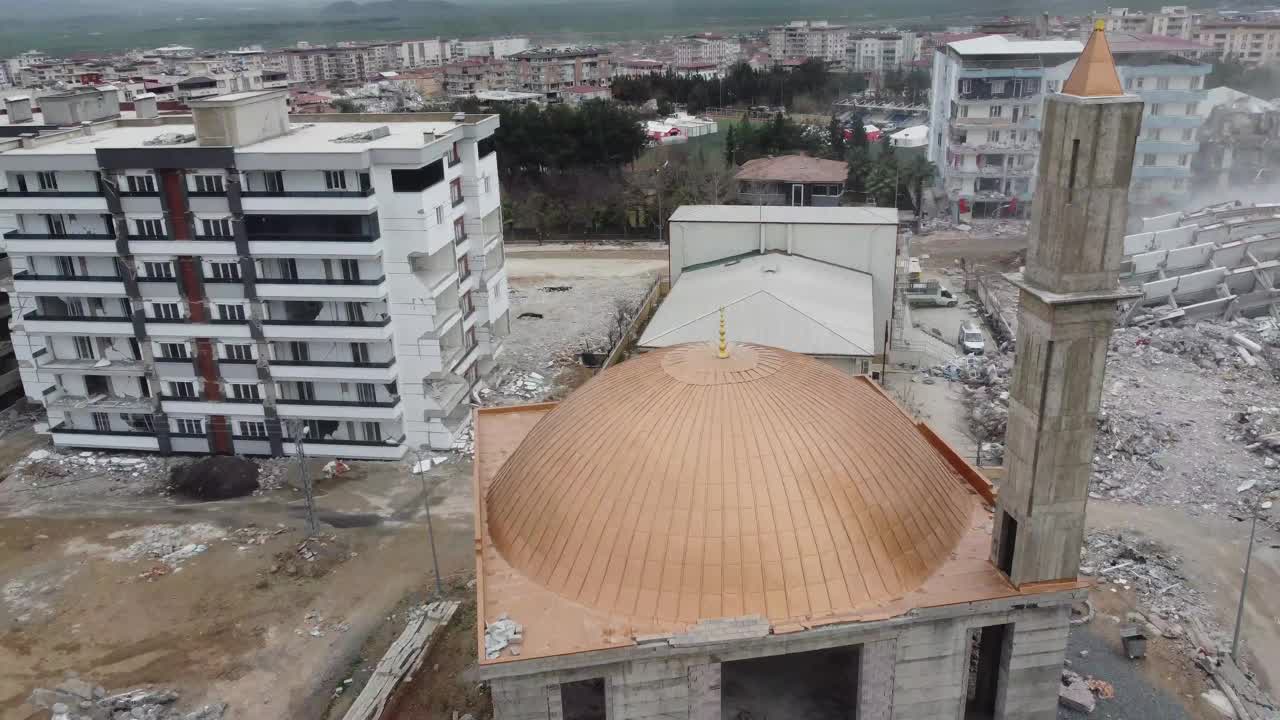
{"x": 859, "y": 139}
{"x": 731, "y": 147}
{"x": 699, "y": 99}
{"x": 882, "y": 183}
{"x": 916, "y": 173}
{"x": 859, "y": 167}
{"x": 665, "y": 107}
{"x": 836, "y": 135}
{"x": 345, "y": 105}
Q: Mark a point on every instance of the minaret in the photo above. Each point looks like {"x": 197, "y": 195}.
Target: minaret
{"x": 1069, "y": 292}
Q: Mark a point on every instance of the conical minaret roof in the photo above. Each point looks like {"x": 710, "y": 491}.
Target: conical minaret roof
{"x": 1095, "y": 72}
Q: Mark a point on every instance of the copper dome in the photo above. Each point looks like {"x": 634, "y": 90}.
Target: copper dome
{"x": 679, "y": 486}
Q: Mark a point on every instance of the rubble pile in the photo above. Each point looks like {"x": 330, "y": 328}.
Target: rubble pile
{"x": 502, "y": 634}
{"x": 986, "y": 397}
{"x": 170, "y": 545}
{"x": 120, "y": 474}
{"x": 78, "y": 699}
{"x": 313, "y": 557}
{"x": 1132, "y": 561}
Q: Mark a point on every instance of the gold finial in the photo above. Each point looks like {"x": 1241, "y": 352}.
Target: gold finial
{"x": 1099, "y": 24}
{"x": 724, "y": 346}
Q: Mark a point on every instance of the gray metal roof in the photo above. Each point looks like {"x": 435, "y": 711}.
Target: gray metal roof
{"x": 786, "y": 214}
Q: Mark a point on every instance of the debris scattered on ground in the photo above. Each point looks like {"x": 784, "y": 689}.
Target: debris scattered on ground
{"x": 1074, "y": 693}
{"x": 502, "y": 634}
{"x": 217, "y": 477}
{"x": 315, "y": 625}
{"x": 1152, "y": 572}
{"x": 311, "y": 558}
{"x": 78, "y": 699}
{"x": 169, "y": 544}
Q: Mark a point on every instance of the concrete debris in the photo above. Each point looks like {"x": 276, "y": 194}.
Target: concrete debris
{"x": 77, "y": 699}
{"x": 1074, "y": 693}
{"x": 424, "y": 465}
{"x": 315, "y": 625}
{"x": 502, "y": 634}
{"x": 1218, "y": 702}
{"x": 1134, "y": 562}
{"x": 169, "y": 544}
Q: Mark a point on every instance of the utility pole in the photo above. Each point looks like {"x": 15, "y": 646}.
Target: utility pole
{"x": 421, "y": 469}
{"x": 299, "y": 430}
{"x": 1244, "y": 587}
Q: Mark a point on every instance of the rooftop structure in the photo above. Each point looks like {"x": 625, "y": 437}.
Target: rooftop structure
{"x": 215, "y": 283}
{"x": 791, "y": 180}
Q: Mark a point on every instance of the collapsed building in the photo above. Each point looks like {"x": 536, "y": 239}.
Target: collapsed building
{"x": 1217, "y": 262}
{"x": 733, "y": 530}
{"x": 1239, "y": 142}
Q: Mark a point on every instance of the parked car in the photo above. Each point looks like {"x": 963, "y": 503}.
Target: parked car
{"x": 930, "y": 293}
{"x": 970, "y": 340}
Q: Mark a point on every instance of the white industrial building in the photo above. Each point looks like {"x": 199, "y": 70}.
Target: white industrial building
{"x": 813, "y": 280}
{"x": 213, "y": 283}
{"x": 985, "y": 119}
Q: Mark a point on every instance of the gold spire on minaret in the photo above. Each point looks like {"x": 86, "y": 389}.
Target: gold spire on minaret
{"x": 1095, "y": 72}
{"x": 724, "y": 345}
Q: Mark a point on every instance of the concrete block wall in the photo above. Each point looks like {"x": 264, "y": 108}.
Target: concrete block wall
{"x": 1032, "y": 665}
{"x": 929, "y": 675}
{"x": 877, "y": 664}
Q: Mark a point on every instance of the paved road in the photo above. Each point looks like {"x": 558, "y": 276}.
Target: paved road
{"x": 1136, "y": 698}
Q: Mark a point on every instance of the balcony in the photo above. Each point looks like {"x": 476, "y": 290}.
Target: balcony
{"x": 184, "y": 328}
{"x": 339, "y": 409}
{"x": 204, "y": 406}
{"x": 90, "y": 285}
{"x": 37, "y": 323}
{"x": 1166, "y": 146}
{"x": 92, "y": 366}
{"x": 309, "y": 201}
{"x": 54, "y": 201}
{"x": 975, "y": 98}
{"x": 1180, "y": 96}
{"x": 18, "y": 235}
{"x": 320, "y": 288}
{"x": 61, "y": 400}
{"x": 379, "y": 329}
{"x": 334, "y": 370}
{"x": 981, "y": 122}
{"x": 65, "y": 436}
{"x": 148, "y": 245}
{"x": 389, "y": 449}
{"x": 1161, "y": 171}
{"x": 1172, "y": 121}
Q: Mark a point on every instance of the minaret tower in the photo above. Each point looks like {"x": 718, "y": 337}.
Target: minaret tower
{"x": 1069, "y": 292}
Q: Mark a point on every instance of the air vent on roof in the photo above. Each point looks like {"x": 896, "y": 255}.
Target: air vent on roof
{"x": 172, "y": 138}
{"x": 367, "y": 136}
{"x": 459, "y": 117}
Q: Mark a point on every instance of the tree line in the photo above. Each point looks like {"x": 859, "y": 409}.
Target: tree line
{"x": 808, "y": 87}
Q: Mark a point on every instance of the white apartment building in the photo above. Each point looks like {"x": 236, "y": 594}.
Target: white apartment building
{"x": 491, "y": 48}
{"x": 554, "y": 71}
{"x": 800, "y": 39}
{"x": 210, "y": 283}
{"x": 422, "y": 53}
{"x": 706, "y": 49}
{"x": 1249, "y": 42}
{"x": 1171, "y": 21}
{"x": 987, "y": 95}
{"x": 878, "y": 52}
{"x": 345, "y": 63}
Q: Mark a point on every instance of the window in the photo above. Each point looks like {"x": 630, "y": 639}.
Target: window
{"x": 335, "y": 180}
{"x": 299, "y": 351}
{"x": 359, "y": 353}
{"x": 459, "y": 230}
{"x": 455, "y": 192}
{"x": 274, "y": 181}
{"x": 370, "y": 432}
{"x": 350, "y": 269}
{"x": 1162, "y": 83}
{"x": 158, "y": 270}
{"x": 209, "y": 184}
{"x": 464, "y": 269}
{"x": 165, "y": 311}
{"x": 466, "y": 304}
{"x": 237, "y": 352}
{"x": 225, "y": 270}
{"x": 173, "y": 351}
{"x": 366, "y": 392}
{"x": 1128, "y": 83}
{"x": 995, "y": 111}
{"x": 355, "y": 312}
{"x": 1188, "y": 135}
{"x": 150, "y": 228}
{"x": 1053, "y": 85}
{"x": 57, "y": 226}
{"x": 141, "y": 183}
{"x": 245, "y": 391}
{"x": 84, "y": 347}
{"x": 454, "y": 156}
{"x": 1155, "y": 108}
{"x": 1148, "y": 159}
{"x": 231, "y": 312}
{"x": 288, "y": 268}
{"x": 1197, "y": 82}
{"x": 48, "y": 180}
{"x": 1192, "y": 108}
{"x": 439, "y": 214}
{"x": 185, "y": 389}
{"x": 417, "y": 180}
{"x": 1138, "y": 83}
{"x": 1184, "y": 159}
{"x": 485, "y": 182}
{"x": 216, "y": 228}
{"x": 66, "y": 266}
{"x": 188, "y": 426}
{"x": 253, "y": 429}
{"x": 304, "y": 390}
{"x": 101, "y": 422}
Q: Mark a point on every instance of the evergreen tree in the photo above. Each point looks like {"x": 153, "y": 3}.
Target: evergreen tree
{"x": 730, "y": 146}
{"x": 837, "y": 140}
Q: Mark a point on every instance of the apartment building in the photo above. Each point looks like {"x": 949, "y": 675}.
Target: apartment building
{"x": 343, "y": 64}
{"x": 491, "y": 48}
{"x": 987, "y": 96}
{"x": 804, "y": 39}
{"x": 706, "y": 48}
{"x": 212, "y": 283}
{"x": 551, "y": 71}
{"x": 878, "y": 52}
{"x": 422, "y": 53}
{"x": 1249, "y": 42}
{"x": 468, "y": 77}
{"x": 1171, "y": 21}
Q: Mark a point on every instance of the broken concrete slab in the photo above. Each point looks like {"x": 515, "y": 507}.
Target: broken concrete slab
{"x": 1074, "y": 694}
{"x": 1218, "y": 702}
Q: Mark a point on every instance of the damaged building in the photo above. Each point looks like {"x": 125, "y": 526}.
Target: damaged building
{"x": 674, "y": 540}
{"x": 1239, "y": 143}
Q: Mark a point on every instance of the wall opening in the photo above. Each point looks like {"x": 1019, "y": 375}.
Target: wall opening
{"x": 1008, "y": 537}
{"x": 816, "y": 685}
{"x": 986, "y": 655}
{"x": 583, "y": 700}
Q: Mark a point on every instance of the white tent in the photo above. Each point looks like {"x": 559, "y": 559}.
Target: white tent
{"x": 914, "y": 136}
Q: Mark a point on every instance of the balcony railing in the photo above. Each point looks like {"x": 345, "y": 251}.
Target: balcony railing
{"x": 62, "y": 428}
{"x": 139, "y": 193}
{"x": 342, "y": 403}
{"x": 366, "y": 192}
{"x": 307, "y": 281}
{"x": 399, "y": 440}
{"x": 51, "y": 193}
{"x": 311, "y": 237}
{"x": 24, "y": 275}
{"x": 17, "y": 235}
{"x": 380, "y": 322}
{"x": 333, "y": 363}
{"x": 39, "y": 316}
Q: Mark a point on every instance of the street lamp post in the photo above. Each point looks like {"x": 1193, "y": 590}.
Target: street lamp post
{"x": 431, "y": 533}
{"x": 1244, "y": 587}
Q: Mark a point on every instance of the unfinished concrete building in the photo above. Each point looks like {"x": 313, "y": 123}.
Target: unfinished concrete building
{"x": 1218, "y": 262}
{"x": 720, "y": 528}
{"x": 1239, "y": 143}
